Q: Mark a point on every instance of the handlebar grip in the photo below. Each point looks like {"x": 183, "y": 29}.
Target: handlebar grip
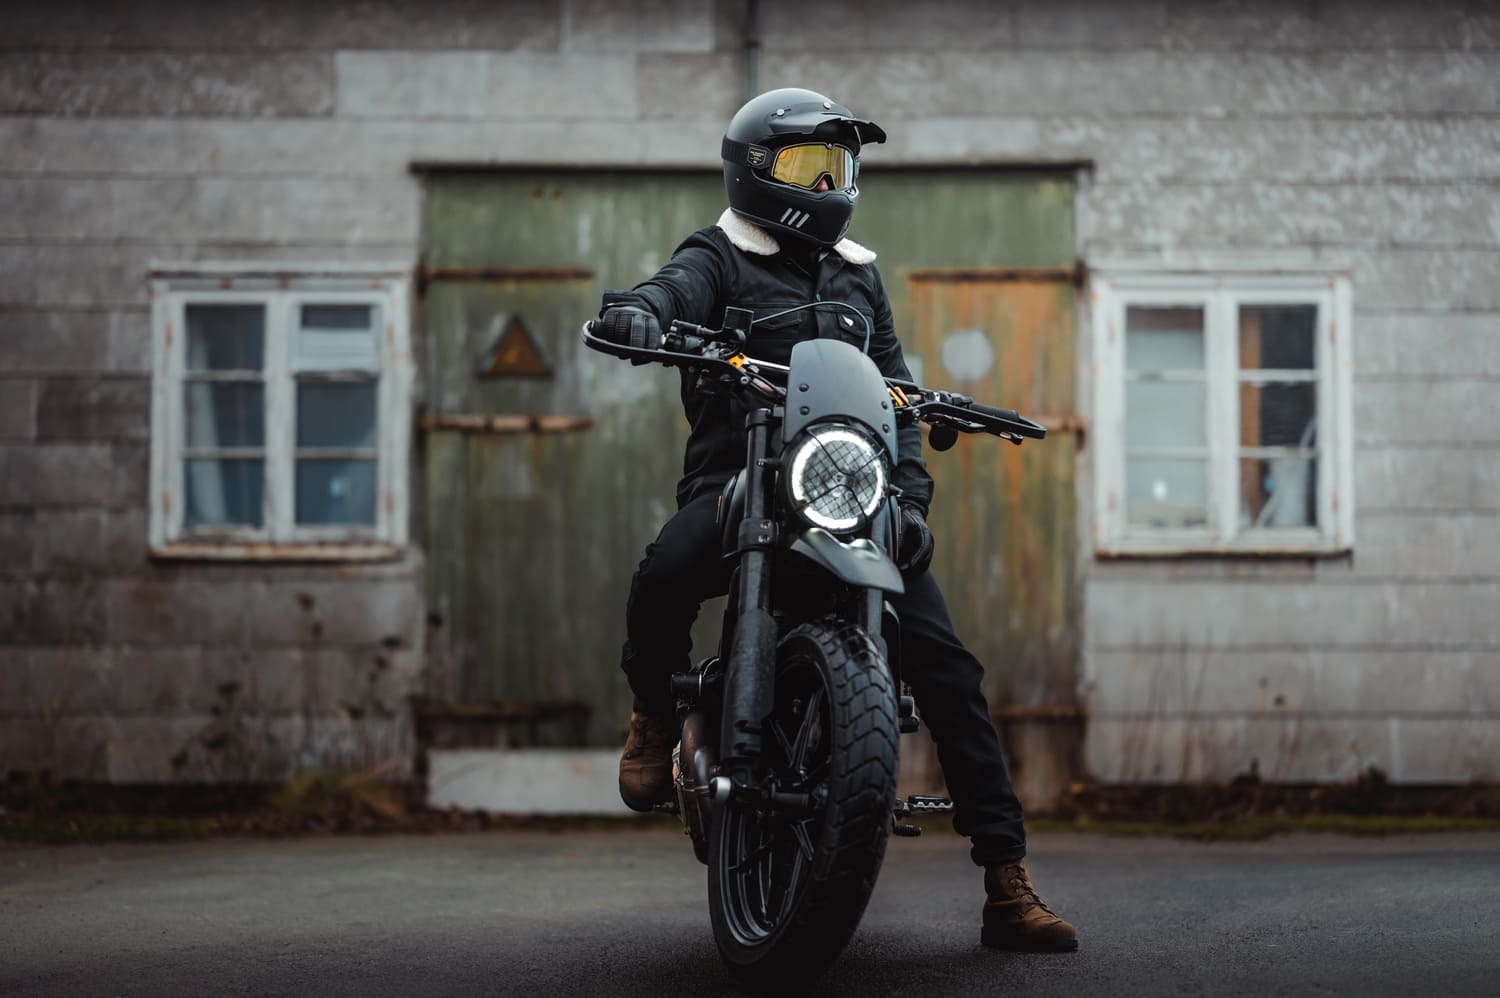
{"x": 989, "y": 410}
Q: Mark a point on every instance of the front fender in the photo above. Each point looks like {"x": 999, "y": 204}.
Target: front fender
{"x": 859, "y": 562}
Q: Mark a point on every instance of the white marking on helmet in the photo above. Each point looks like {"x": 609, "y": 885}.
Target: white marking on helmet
{"x": 805, "y": 217}
{"x": 786, "y": 214}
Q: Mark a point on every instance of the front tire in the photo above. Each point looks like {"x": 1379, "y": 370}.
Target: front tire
{"x": 786, "y": 892}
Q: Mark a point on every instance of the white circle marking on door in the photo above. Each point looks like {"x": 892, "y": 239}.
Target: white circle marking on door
{"x": 968, "y": 354}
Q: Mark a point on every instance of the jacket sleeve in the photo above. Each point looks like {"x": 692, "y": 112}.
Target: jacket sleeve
{"x": 686, "y": 287}
{"x": 911, "y": 475}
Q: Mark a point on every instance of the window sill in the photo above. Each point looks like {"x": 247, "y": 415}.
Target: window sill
{"x": 1160, "y": 551}
{"x": 266, "y": 551}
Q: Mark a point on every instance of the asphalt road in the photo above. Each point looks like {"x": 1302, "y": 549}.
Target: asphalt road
{"x": 624, "y": 913}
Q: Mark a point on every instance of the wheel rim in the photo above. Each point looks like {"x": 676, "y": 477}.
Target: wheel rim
{"x": 768, "y": 856}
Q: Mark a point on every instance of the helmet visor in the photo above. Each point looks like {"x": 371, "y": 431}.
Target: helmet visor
{"x": 804, "y": 165}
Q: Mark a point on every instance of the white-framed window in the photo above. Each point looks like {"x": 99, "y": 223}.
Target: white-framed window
{"x": 281, "y": 420}
{"x": 1223, "y": 418}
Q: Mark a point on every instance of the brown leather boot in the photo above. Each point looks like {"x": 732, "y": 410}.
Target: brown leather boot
{"x": 646, "y": 765}
{"x": 1015, "y": 917}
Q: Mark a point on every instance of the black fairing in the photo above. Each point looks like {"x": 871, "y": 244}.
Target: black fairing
{"x": 830, "y": 378}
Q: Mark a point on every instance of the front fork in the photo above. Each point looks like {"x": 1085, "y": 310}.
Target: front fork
{"x": 752, "y": 658}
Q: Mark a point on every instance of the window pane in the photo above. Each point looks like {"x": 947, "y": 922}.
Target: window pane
{"x": 1169, "y": 339}
{"x": 336, "y": 337}
{"x": 223, "y": 491}
{"x": 1166, "y": 493}
{"x": 221, "y": 414}
{"x": 331, "y": 491}
{"x": 1279, "y": 414}
{"x": 1278, "y": 337}
{"x": 1278, "y": 492}
{"x": 336, "y": 414}
{"x": 225, "y": 337}
{"x": 1165, "y": 414}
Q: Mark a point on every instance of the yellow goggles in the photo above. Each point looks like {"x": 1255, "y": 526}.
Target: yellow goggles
{"x": 804, "y": 165}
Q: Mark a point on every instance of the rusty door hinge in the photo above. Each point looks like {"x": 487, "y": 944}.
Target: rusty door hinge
{"x": 528, "y": 423}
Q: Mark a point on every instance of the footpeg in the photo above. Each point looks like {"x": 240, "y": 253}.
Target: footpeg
{"x": 905, "y": 831}
{"x": 917, "y": 805}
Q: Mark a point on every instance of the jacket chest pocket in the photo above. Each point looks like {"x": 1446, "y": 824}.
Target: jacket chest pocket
{"x": 854, "y": 324}
{"x": 777, "y": 330}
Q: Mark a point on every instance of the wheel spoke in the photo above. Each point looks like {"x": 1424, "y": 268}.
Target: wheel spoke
{"x": 804, "y": 841}
{"x": 781, "y": 739}
{"x": 810, "y": 719}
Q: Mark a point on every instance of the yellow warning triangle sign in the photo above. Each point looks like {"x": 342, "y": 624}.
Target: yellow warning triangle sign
{"x": 514, "y": 354}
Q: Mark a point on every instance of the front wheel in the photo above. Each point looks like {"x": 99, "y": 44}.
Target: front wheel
{"x": 787, "y": 889}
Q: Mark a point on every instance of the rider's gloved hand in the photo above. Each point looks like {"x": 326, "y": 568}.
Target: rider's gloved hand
{"x": 914, "y": 551}
{"x": 630, "y": 326}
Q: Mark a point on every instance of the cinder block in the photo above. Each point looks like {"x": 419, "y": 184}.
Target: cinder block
{"x": 371, "y": 614}
{"x": 1446, "y": 750}
{"x": 885, "y": 26}
{"x": 182, "y": 610}
{"x": 677, "y": 87}
{"x": 56, "y": 475}
{"x": 130, "y": 471}
{"x": 18, "y": 408}
{"x": 1224, "y": 214}
{"x": 76, "y": 543}
{"x": 1425, "y": 478}
{"x": 1292, "y": 750}
{"x": 1412, "y": 545}
{"x": 535, "y": 781}
{"x": 47, "y": 341}
{"x": 1122, "y": 615}
{"x": 51, "y": 612}
{"x": 1398, "y": 25}
{"x": 1434, "y": 412}
{"x": 641, "y": 26}
{"x": 1134, "y": 25}
{"x": 574, "y": 86}
{"x": 512, "y": 85}
{"x": 1419, "y": 345}
{"x": 76, "y": 409}
{"x": 1200, "y": 683}
{"x": 1423, "y": 278}
{"x": 151, "y": 82}
{"x": 50, "y": 683}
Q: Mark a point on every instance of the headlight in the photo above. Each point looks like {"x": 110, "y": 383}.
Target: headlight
{"x": 836, "y": 477}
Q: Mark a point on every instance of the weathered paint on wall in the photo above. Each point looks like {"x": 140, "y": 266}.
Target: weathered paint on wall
{"x": 1279, "y": 135}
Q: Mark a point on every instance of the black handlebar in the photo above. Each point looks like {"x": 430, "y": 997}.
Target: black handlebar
{"x": 687, "y": 343}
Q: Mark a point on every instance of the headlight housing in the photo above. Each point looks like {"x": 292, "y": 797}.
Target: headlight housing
{"x": 835, "y": 477}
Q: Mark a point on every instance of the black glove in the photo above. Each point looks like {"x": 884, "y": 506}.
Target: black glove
{"x": 631, "y": 327}
{"x": 914, "y": 547}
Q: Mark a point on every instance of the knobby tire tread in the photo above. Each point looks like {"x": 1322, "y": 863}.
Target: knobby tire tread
{"x": 857, "y": 818}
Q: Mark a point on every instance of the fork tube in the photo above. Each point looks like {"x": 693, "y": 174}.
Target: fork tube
{"x": 752, "y": 658}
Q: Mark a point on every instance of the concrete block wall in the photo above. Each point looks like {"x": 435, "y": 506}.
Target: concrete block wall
{"x": 1337, "y": 134}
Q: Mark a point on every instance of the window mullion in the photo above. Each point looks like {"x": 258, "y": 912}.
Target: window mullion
{"x": 176, "y": 416}
{"x": 1225, "y": 403}
{"x": 280, "y": 396}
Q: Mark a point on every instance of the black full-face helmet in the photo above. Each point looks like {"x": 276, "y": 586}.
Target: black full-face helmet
{"x": 778, "y": 148}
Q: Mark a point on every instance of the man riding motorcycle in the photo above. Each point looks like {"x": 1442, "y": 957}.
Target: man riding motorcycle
{"x": 790, "y": 161}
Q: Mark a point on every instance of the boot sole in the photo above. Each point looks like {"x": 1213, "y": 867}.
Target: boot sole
{"x": 995, "y": 940}
{"x": 638, "y": 806}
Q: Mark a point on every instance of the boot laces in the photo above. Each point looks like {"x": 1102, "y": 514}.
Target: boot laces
{"x": 1020, "y": 883}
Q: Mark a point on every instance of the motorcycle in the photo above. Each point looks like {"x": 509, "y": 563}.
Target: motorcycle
{"x": 786, "y": 771}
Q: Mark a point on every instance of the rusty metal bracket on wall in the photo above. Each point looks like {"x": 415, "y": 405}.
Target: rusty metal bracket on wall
{"x": 497, "y": 424}
{"x": 1076, "y": 275}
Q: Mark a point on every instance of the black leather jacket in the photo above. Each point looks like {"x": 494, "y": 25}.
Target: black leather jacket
{"x": 708, "y": 274}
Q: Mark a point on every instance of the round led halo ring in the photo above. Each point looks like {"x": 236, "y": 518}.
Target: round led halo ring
{"x": 818, "y": 439}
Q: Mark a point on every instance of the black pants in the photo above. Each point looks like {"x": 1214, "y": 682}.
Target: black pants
{"x": 682, "y": 568}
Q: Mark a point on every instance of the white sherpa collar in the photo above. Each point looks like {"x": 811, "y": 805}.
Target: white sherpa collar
{"x": 753, "y": 239}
